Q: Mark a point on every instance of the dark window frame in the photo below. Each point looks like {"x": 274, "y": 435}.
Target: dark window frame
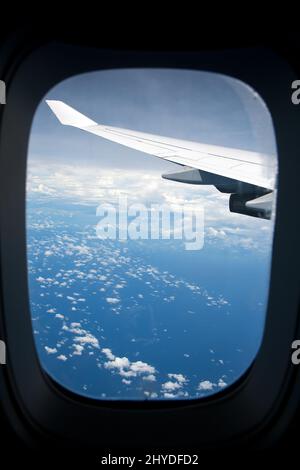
{"x": 241, "y": 410}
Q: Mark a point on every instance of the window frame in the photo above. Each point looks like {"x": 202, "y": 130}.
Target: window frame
{"x": 250, "y": 404}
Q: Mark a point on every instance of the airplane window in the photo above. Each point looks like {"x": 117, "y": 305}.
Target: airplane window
{"x": 150, "y": 214}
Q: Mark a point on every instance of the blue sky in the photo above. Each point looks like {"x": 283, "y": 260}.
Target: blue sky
{"x": 192, "y": 105}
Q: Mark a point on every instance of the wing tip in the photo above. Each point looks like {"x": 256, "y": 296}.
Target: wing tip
{"x": 68, "y": 115}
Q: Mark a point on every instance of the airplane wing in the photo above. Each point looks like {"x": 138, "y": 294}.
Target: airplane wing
{"x": 230, "y": 170}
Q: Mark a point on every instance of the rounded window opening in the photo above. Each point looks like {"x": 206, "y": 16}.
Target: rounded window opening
{"x": 150, "y": 216}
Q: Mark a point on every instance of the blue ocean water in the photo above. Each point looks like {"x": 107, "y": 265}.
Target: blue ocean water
{"x": 139, "y": 319}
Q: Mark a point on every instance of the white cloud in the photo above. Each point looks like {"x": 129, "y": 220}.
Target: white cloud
{"x": 108, "y": 353}
{"x": 78, "y": 349}
{"x": 93, "y": 185}
{"x": 142, "y": 367}
{"x": 150, "y": 378}
{"x": 112, "y": 300}
{"x": 221, "y": 383}
{"x": 42, "y": 189}
{"x": 206, "y": 385}
{"x": 62, "y": 357}
{"x": 50, "y": 350}
{"x": 126, "y": 382}
{"x": 169, "y": 395}
{"x": 118, "y": 363}
{"x": 128, "y": 369}
{"x": 171, "y": 386}
{"x": 126, "y": 373}
{"x": 178, "y": 377}
{"x": 82, "y": 336}
{"x": 211, "y": 231}
{"x": 88, "y": 339}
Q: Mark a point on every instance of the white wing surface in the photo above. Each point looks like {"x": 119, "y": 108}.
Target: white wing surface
{"x": 249, "y": 167}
